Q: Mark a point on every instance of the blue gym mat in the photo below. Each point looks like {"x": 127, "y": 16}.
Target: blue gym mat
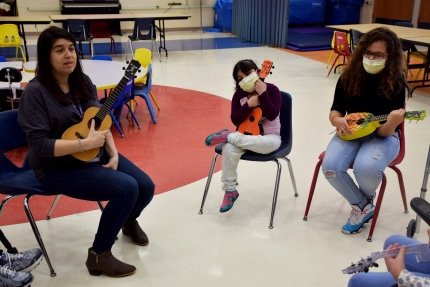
{"x": 309, "y": 38}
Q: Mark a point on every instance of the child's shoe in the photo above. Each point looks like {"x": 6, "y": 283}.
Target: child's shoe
{"x": 217, "y": 138}
{"x": 228, "y": 201}
{"x": 358, "y": 218}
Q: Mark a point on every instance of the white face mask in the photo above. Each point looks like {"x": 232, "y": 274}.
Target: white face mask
{"x": 373, "y": 66}
{"x": 248, "y": 83}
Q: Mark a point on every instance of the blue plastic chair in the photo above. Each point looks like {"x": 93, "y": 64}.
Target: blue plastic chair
{"x": 145, "y": 92}
{"x": 282, "y": 153}
{"x": 3, "y": 59}
{"x": 116, "y": 110}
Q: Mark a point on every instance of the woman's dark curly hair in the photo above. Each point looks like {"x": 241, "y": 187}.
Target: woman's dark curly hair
{"x": 393, "y": 76}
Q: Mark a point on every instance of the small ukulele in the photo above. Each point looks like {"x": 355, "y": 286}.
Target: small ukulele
{"x": 420, "y": 250}
{"x": 100, "y": 115}
{"x": 363, "y": 124}
{"x": 250, "y": 126}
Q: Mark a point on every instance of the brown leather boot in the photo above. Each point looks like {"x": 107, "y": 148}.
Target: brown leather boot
{"x": 131, "y": 228}
{"x": 105, "y": 263}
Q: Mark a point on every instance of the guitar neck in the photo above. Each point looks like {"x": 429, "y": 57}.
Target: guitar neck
{"x": 408, "y": 115}
{"x": 110, "y": 101}
{"x": 417, "y": 249}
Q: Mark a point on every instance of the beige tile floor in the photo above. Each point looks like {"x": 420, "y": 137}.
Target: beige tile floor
{"x": 237, "y": 248}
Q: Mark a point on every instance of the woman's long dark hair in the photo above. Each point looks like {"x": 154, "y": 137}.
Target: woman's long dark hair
{"x": 44, "y": 68}
{"x": 392, "y": 76}
{"x": 245, "y": 66}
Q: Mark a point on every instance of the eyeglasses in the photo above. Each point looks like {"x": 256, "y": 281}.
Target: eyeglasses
{"x": 375, "y": 55}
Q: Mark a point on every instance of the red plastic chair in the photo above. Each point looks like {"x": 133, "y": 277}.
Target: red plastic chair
{"x": 100, "y": 29}
{"x": 392, "y": 165}
{"x": 340, "y": 48}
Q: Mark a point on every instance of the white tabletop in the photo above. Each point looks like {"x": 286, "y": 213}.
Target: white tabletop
{"x": 13, "y": 64}
{"x": 103, "y": 74}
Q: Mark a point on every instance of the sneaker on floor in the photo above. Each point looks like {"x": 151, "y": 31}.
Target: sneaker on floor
{"x": 22, "y": 261}
{"x": 358, "y": 218}
{"x": 228, "y": 201}
{"x": 12, "y": 278}
{"x": 217, "y": 138}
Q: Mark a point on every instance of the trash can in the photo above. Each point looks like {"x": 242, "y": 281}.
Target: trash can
{"x": 223, "y": 15}
{"x": 343, "y": 11}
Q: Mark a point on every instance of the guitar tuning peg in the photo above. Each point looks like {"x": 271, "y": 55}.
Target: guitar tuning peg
{"x": 127, "y": 62}
{"x": 139, "y": 70}
{"x": 273, "y": 67}
{"x": 123, "y": 68}
{"x": 135, "y": 76}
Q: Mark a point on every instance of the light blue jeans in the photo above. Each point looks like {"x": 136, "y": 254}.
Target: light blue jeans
{"x": 385, "y": 279}
{"x": 368, "y": 157}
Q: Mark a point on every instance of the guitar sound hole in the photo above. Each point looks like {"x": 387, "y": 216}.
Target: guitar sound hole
{"x": 251, "y": 119}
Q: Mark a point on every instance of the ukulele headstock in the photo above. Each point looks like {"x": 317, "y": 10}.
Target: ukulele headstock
{"x": 265, "y": 69}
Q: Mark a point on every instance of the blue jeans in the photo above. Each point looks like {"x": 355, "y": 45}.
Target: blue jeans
{"x": 128, "y": 191}
{"x": 385, "y": 279}
{"x": 368, "y": 157}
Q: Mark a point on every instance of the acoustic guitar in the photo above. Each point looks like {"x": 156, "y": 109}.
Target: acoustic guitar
{"x": 250, "y": 126}
{"x": 363, "y": 124}
{"x": 100, "y": 115}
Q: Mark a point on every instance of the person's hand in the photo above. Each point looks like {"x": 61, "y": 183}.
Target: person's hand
{"x": 260, "y": 87}
{"x": 94, "y": 139}
{"x": 113, "y": 162}
{"x": 341, "y": 125}
{"x": 253, "y": 101}
{"x": 396, "y": 117}
{"x": 395, "y": 264}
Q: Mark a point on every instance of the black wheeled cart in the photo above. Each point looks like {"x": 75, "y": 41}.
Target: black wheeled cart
{"x": 420, "y": 205}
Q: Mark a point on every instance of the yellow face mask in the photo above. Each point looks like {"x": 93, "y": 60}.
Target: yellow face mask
{"x": 373, "y": 66}
{"x": 248, "y": 83}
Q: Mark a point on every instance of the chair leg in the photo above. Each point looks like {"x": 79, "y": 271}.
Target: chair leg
{"x": 37, "y": 233}
{"x": 293, "y": 179}
{"x": 131, "y": 49}
{"x": 154, "y": 99}
{"x": 334, "y": 63}
{"x": 377, "y": 207}
{"x": 117, "y": 125}
{"x": 149, "y": 105}
{"x": 133, "y": 115}
{"x": 208, "y": 182}
{"x": 275, "y": 193}
{"x": 312, "y": 189}
{"x": 53, "y": 205}
{"x": 55, "y": 202}
{"x": 402, "y": 187}
{"x": 4, "y": 201}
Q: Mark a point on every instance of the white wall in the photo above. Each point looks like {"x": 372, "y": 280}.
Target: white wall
{"x": 191, "y": 7}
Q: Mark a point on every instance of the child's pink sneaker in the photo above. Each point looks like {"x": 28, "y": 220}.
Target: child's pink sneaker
{"x": 228, "y": 201}
{"x": 217, "y": 138}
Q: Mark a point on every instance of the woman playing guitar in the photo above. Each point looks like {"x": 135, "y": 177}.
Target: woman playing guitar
{"x": 251, "y": 93}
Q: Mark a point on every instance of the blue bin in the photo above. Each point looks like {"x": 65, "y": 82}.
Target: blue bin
{"x": 223, "y": 15}
{"x": 306, "y": 12}
{"x": 343, "y": 12}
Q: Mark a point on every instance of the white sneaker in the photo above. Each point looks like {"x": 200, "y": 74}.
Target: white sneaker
{"x": 358, "y": 218}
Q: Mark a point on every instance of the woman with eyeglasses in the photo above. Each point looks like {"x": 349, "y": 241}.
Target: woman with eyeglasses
{"x": 373, "y": 82}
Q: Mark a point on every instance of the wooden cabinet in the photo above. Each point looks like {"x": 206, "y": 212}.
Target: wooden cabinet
{"x": 391, "y": 11}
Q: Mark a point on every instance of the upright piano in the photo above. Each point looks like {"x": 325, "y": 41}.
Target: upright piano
{"x": 90, "y": 6}
{"x": 69, "y": 7}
